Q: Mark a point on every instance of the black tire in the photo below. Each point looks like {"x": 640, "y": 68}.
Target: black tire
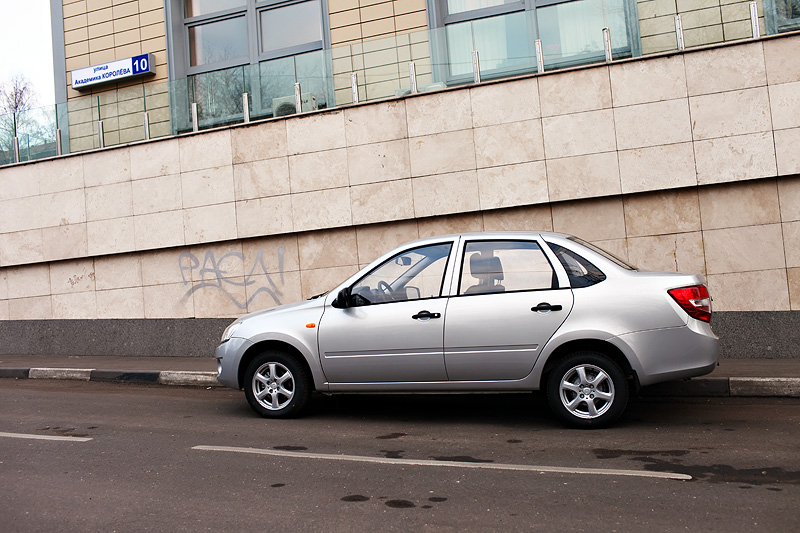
{"x": 587, "y": 390}
{"x": 276, "y": 385}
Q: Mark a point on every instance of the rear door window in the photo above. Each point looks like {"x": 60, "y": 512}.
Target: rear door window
{"x": 505, "y": 266}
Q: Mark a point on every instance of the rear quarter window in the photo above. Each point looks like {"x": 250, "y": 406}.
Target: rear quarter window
{"x": 581, "y": 271}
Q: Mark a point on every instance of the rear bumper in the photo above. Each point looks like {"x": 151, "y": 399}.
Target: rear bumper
{"x": 672, "y": 353}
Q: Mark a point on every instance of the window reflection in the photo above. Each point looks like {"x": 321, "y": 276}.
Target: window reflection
{"x": 783, "y": 14}
{"x": 504, "y": 266}
{"x": 412, "y": 275}
{"x": 502, "y": 42}
{"x": 290, "y": 26}
{"x": 218, "y": 95}
{"x": 573, "y": 31}
{"x": 218, "y": 41}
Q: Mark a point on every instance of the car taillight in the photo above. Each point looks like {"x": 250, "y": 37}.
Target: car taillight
{"x": 695, "y": 300}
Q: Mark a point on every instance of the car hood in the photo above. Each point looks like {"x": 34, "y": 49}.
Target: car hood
{"x": 283, "y": 309}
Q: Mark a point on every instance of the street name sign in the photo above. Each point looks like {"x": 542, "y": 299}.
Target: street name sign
{"x": 114, "y": 71}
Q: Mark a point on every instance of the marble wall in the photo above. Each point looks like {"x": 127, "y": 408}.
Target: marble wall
{"x": 682, "y": 162}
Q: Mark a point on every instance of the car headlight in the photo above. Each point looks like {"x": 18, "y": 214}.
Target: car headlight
{"x": 229, "y": 331}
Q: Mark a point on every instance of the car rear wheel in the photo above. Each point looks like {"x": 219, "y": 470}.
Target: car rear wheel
{"x": 276, "y": 385}
{"x": 587, "y": 390}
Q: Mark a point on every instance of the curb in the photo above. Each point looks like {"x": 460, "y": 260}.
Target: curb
{"x": 697, "y": 387}
{"x": 165, "y": 377}
{"x": 727, "y": 387}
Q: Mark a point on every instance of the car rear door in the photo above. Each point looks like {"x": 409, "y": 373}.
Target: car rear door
{"x": 507, "y": 306}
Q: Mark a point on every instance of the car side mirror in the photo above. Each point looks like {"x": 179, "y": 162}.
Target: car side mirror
{"x": 413, "y": 293}
{"x": 343, "y": 299}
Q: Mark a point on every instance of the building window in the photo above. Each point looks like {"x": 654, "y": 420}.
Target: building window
{"x": 291, "y": 29}
{"x": 469, "y": 9}
{"x": 504, "y": 32}
{"x": 219, "y": 34}
{"x": 572, "y": 32}
{"x": 781, "y": 15}
{"x": 218, "y": 41}
{"x": 221, "y": 49}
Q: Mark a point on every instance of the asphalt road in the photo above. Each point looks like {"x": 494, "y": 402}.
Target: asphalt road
{"x": 168, "y": 459}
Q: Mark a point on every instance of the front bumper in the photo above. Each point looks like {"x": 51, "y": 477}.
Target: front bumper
{"x": 228, "y": 356}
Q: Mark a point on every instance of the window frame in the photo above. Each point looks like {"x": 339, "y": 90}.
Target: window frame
{"x": 439, "y": 18}
{"x": 178, "y": 35}
{"x": 441, "y": 294}
{"x": 481, "y": 13}
{"x": 202, "y": 20}
{"x": 270, "y": 5}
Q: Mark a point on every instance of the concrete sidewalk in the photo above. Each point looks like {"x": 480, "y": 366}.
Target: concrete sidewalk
{"x": 733, "y": 377}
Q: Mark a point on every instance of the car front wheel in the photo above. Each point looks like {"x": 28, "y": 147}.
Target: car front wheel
{"x": 276, "y": 385}
{"x": 587, "y": 390}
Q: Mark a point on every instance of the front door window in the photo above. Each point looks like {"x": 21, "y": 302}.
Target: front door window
{"x": 412, "y": 275}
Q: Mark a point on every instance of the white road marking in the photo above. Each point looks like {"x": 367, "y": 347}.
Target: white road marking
{"x": 44, "y": 437}
{"x": 453, "y": 464}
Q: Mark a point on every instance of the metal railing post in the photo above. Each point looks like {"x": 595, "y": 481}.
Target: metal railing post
{"x": 16, "y": 149}
{"x": 194, "y": 117}
{"x": 59, "y": 150}
{"x": 412, "y": 75}
{"x": 100, "y": 135}
{"x": 607, "y": 44}
{"x": 246, "y": 108}
{"x": 539, "y": 56}
{"x": 679, "y": 32}
{"x": 476, "y": 67}
{"x": 298, "y": 98}
{"x": 354, "y": 86}
{"x": 754, "y": 20}
{"x": 146, "y": 124}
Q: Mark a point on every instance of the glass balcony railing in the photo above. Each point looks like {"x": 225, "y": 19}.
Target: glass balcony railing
{"x": 269, "y": 88}
{"x": 568, "y": 34}
{"x": 35, "y": 132}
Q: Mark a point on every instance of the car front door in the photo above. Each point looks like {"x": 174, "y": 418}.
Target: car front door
{"x": 507, "y": 307}
{"x": 393, "y": 328}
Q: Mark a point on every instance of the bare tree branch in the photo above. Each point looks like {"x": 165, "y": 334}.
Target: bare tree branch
{"x": 17, "y": 95}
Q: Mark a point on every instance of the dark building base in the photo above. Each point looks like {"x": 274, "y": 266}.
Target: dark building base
{"x": 758, "y": 334}
{"x": 750, "y": 334}
{"x": 182, "y": 337}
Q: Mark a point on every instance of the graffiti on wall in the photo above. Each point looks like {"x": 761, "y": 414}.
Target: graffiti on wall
{"x": 213, "y": 273}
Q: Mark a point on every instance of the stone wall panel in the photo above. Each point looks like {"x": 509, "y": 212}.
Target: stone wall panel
{"x": 699, "y": 179}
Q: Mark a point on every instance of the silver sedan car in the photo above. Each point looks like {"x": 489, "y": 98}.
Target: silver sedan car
{"x": 504, "y": 311}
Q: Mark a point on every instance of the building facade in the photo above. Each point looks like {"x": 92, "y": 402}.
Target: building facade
{"x": 678, "y": 160}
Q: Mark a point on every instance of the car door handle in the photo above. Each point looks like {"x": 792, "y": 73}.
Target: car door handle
{"x": 544, "y": 306}
{"x": 424, "y": 315}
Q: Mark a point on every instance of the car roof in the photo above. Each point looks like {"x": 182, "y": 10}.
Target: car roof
{"x": 488, "y": 235}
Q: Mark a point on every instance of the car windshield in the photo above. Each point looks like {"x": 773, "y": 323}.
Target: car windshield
{"x": 608, "y": 255}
